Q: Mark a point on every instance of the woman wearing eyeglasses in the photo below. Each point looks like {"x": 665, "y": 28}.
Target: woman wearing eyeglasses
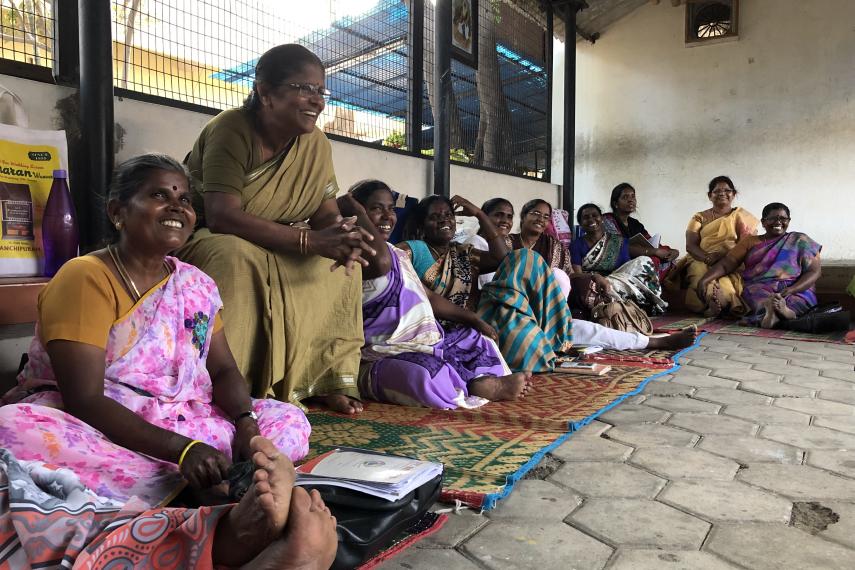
{"x": 709, "y": 236}
{"x": 262, "y": 171}
{"x": 781, "y": 269}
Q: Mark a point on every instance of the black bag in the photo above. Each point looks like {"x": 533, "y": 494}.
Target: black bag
{"x": 367, "y": 524}
{"x": 825, "y": 318}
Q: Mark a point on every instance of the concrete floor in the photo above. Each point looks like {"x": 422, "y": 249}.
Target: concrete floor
{"x": 744, "y": 458}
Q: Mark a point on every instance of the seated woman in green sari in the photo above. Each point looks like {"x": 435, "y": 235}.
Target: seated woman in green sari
{"x": 263, "y": 171}
{"x": 628, "y": 269}
{"x": 448, "y": 268}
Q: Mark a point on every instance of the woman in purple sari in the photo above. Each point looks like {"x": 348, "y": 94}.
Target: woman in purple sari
{"x": 781, "y": 269}
{"x": 408, "y": 358}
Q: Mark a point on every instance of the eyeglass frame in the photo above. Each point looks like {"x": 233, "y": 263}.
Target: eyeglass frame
{"x": 307, "y": 90}
{"x": 539, "y": 215}
{"x": 723, "y": 191}
{"x": 777, "y": 219}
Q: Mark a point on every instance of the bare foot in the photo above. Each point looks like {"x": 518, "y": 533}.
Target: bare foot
{"x": 497, "y": 388}
{"x": 677, "y": 340}
{"x": 770, "y": 317}
{"x": 339, "y": 403}
{"x": 779, "y": 304}
{"x": 310, "y": 540}
{"x": 714, "y": 306}
{"x": 260, "y": 516}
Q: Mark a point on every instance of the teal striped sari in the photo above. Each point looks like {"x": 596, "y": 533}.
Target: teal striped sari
{"x": 525, "y": 305}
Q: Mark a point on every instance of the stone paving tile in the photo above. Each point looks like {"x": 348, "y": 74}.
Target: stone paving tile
{"x": 591, "y": 449}
{"x": 815, "y": 407}
{"x": 636, "y": 522}
{"x": 706, "y": 424}
{"x": 808, "y": 438}
{"x": 458, "y": 528}
{"x": 683, "y": 463}
{"x": 682, "y": 404}
{"x": 634, "y": 414}
{"x": 839, "y": 423}
{"x": 534, "y": 499}
{"x": 774, "y": 547}
{"x": 843, "y": 531}
{"x": 507, "y": 545}
{"x": 842, "y": 462}
{"x": 444, "y": 558}
{"x": 825, "y": 365}
{"x": 668, "y": 389}
{"x": 845, "y": 375}
{"x": 594, "y": 429}
{"x": 600, "y": 479}
{"x": 726, "y": 501}
{"x": 704, "y": 381}
{"x": 845, "y": 357}
{"x": 668, "y": 560}
{"x": 843, "y": 396}
{"x": 767, "y": 414}
{"x": 791, "y": 356}
{"x": 640, "y": 435}
{"x": 727, "y": 396}
{"x": 799, "y": 482}
{"x": 749, "y": 450}
{"x": 786, "y": 370}
{"x": 757, "y": 358}
{"x": 743, "y": 375}
{"x": 717, "y": 363}
{"x": 818, "y": 382}
{"x": 778, "y": 389}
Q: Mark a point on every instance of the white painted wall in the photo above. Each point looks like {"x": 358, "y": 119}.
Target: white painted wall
{"x": 774, "y": 110}
{"x": 157, "y": 128}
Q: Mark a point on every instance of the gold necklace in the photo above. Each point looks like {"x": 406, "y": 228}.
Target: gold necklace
{"x": 123, "y": 272}
{"x": 435, "y": 252}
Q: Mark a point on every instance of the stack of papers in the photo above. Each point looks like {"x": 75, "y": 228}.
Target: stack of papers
{"x": 386, "y": 476}
{"x": 591, "y": 368}
{"x": 583, "y": 349}
{"x": 639, "y": 239}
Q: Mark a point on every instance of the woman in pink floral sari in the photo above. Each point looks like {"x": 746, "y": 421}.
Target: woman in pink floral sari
{"x": 130, "y": 382}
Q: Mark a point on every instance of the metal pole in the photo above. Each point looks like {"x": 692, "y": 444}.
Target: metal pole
{"x": 550, "y": 25}
{"x": 67, "y": 44}
{"x": 568, "y": 188}
{"x": 415, "y": 108}
{"x": 442, "y": 114}
{"x": 96, "y": 113}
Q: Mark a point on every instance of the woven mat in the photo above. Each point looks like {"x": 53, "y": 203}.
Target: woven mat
{"x": 485, "y": 451}
{"x": 676, "y": 322}
{"x": 429, "y": 524}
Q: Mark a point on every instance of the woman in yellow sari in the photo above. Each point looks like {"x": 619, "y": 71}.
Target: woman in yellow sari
{"x": 709, "y": 236}
{"x": 266, "y": 179}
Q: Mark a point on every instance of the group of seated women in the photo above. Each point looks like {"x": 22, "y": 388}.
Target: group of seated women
{"x": 229, "y": 300}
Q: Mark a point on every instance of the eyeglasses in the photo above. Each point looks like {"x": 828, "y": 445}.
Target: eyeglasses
{"x": 719, "y": 192}
{"x": 307, "y": 90}
{"x": 539, "y": 215}
{"x": 777, "y": 219}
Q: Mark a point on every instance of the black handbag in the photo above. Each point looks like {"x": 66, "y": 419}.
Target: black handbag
{"x": 825, "y": 318}
{"x": 367, "y": 524}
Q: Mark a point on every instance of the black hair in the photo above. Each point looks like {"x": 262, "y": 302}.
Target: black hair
{"x": 585, "y": 207}
{"x": 363, "y": 189}
{"x": 774, "y": 206}
{"x": 531, "y": 205}
{"x": 494, "y": 203}
{"x": 616, "y": 193}
{"x": 276, "y": 66}
{"x": 718, "y": 179}
{"x": 414, "y": 228}
{"x": 128, "y": 176}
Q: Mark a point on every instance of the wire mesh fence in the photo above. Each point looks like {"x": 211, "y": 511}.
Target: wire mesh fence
{"x": 27, "y": 31}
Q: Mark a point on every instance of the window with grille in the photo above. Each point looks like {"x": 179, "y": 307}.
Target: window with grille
{"x": 27, "y": 31}
{"x": 708, "y": 20}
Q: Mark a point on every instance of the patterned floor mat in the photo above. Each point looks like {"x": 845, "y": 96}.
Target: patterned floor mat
{"x": 676, "y": 322}
{"x": 485, "y": 451}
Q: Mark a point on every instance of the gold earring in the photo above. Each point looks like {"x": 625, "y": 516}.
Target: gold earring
{"x": 118, "y": 225}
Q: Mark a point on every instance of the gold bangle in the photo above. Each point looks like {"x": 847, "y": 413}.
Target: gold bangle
{"x": 305, "y": 242}
{"x": 186, "y": 449}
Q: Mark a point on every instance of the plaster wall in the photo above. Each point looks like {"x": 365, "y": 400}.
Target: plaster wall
{"x": 774, "y": 110}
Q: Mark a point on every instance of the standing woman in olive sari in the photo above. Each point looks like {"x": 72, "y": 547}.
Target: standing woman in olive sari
{"x": 263, "y": 171}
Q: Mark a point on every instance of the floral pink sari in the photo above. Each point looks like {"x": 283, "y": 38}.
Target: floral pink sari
{"x": 155, "y": 366}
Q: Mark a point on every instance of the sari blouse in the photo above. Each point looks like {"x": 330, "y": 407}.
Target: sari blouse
{"x": 613, "y": 225}
{"x": 450, "y": 276}
{"x": 609, "y": 253}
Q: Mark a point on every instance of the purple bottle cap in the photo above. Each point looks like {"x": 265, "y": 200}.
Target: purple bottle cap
{"x": 60, "y": 173}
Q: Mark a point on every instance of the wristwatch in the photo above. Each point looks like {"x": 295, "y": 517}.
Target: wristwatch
{"x": 249, "y": 414}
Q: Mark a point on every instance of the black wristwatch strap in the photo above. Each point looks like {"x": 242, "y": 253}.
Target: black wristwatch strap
{"x": 247, "y": 414}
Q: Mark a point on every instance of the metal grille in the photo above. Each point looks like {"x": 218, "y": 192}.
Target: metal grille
{"x": 204, "y": 52}
{"x": 500, "y": 109}
{"x": 27, "y": 31}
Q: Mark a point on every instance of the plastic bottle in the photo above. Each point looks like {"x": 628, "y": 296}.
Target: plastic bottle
{"x": 60, "y": 235}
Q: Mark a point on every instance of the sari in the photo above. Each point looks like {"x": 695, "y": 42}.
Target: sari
{"x": 50, "y": 519}
{"x": 450, "y": 276}
{"x": 525, "y": 305}
{"x": 772, "y": 265}
{"x": 552, "y": 251}
{"x": 717, "y": 235}
{"x": 155, "y": 367}
{"x": 633, "y": 227}
{"x": 408, "y": 359}
{"x": 631, "y": 279}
